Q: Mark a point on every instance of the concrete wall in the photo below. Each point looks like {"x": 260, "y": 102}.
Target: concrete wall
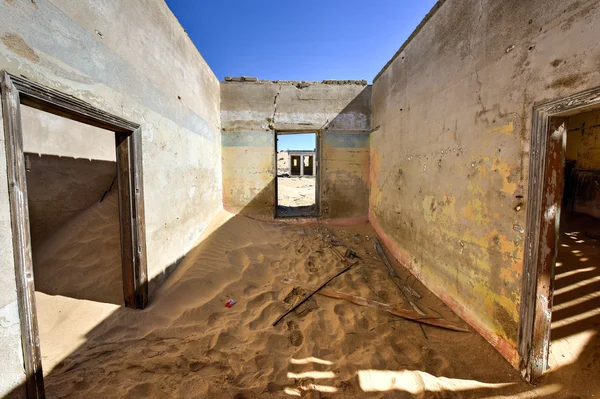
{"x": 58, "y": 188}
{"x": 69, "y": 167}
{"x": 583, "y": 147}
{"x": 47, "y": 134}
{"x": 252, "y": 112}
{"x": 449, "y": 163}
{"x": 583, "y": 140}
{"x": 134, "y": 60}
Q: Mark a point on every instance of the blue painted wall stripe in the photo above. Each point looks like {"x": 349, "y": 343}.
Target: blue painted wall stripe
{"x": 346, "y": 140}
{"x": 247, "y": 139}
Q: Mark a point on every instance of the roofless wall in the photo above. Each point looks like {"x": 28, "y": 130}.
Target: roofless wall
{"x": 338, "y": 111}
{"x": 133, "y": 60}
{"x": 450, "y": 159}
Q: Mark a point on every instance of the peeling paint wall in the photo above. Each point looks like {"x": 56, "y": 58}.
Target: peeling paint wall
{"x": 449, "y": 162}
{"x": 251, "y": 112}
{"x": 134, "y": 60}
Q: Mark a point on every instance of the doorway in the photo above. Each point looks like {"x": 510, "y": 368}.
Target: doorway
{"x": 17, "y": 92}
{"x": 297, "y": 176}
{"x": 560, "y": 308}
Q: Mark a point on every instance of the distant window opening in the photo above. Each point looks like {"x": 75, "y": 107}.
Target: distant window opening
{"x": 297, "y": 182}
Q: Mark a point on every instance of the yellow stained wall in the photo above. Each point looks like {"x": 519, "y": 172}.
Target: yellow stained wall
{"x": 249, "y": 173}
{"x": 450, "y": 155}
{"x": 345, "y": 175}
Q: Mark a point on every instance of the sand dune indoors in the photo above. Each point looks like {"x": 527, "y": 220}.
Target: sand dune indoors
{"x": 188, "y": 344}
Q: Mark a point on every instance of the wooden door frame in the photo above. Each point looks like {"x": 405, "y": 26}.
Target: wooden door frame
{"x": 542, "y": 232}
{"x": 17, "y": 91}
{"x": 316, "y": 170}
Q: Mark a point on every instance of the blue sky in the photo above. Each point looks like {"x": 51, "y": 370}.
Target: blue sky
{"x": 299, "y": 141}
{"x": 299, "y": 40}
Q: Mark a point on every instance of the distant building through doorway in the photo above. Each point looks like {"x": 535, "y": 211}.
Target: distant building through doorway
{"x": 301, "y": 163}
{"x": 296, "y": 174}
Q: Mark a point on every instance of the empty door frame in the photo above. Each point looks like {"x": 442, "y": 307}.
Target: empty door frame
{"x": 316, "y": 169}
{"x": 543, "y": 215}
{"x": 16, "y": 91}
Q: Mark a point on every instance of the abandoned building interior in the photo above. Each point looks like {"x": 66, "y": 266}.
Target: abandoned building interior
{"x": 441, "y": 239}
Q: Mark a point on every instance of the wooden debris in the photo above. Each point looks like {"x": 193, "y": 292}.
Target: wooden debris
{"x": 314, "y": 292}
{"x": 416, "y": 308}
{"x": 337, "y": 254}
{"x": 411, "y": 291}
{"x": 351, "y": 254}
{"x": 395, "y": 310}
{"x": 394, "y": 276}
{"x": 306, "y": 307}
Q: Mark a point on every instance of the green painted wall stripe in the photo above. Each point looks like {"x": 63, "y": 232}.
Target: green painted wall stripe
{"x": 346, "y": 140}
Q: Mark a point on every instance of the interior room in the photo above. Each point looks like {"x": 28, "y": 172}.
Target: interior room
{"x": 74, "y": 224}
{"x": 575, "y": 308}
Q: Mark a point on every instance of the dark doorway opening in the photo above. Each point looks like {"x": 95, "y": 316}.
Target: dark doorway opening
{"x": 559, "y": 316}
{"x": 576, "y": 297}
{"x": 297, "y": 180}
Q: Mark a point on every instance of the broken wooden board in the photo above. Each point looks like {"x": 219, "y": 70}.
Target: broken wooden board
{"x": 314, "y": 292}
{"x": 395, "y": 310}
{"x": 394, "y": 276}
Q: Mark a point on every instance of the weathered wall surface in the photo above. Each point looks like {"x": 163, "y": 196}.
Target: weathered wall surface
{"x": 58, "y": 188}
{"x": 134, "y": 60}
{"x": 583, "y": 140}
{"x": 252, "y": 112}
{"x": 69, "y": 167}
{"x": 583, "y": 147}
{"x": 48, "y": 134}
{"x": 449, "y": 163}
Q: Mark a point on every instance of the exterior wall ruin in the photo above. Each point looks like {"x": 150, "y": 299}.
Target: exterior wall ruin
{"x": 449, "y": 161}
{"x": 251, "y": 113}
{"x": 305, "y": 163}
{"x": 155, "y": 78}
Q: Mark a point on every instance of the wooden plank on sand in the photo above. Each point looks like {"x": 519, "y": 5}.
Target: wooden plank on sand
{"x": 395, "y": 310}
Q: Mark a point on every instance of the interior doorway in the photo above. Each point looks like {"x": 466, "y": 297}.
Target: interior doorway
{"x": 297, "y": 180}
{"x": 560, "y": 298}
{"x": 576, "y": 296}
{"x": 18, "y": 92}
{"x": 72, "y": 198}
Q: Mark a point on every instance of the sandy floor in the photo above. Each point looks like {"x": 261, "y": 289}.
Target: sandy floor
{"x": 67, "y": 262}
{"x": 187, "y": 344}
{"x": 296, "y": 196}
{"x": 576, "y": 306}
{"x": 295, "y": 191}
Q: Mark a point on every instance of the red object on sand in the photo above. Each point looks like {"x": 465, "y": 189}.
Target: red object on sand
{"x": 230, "y": 303}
